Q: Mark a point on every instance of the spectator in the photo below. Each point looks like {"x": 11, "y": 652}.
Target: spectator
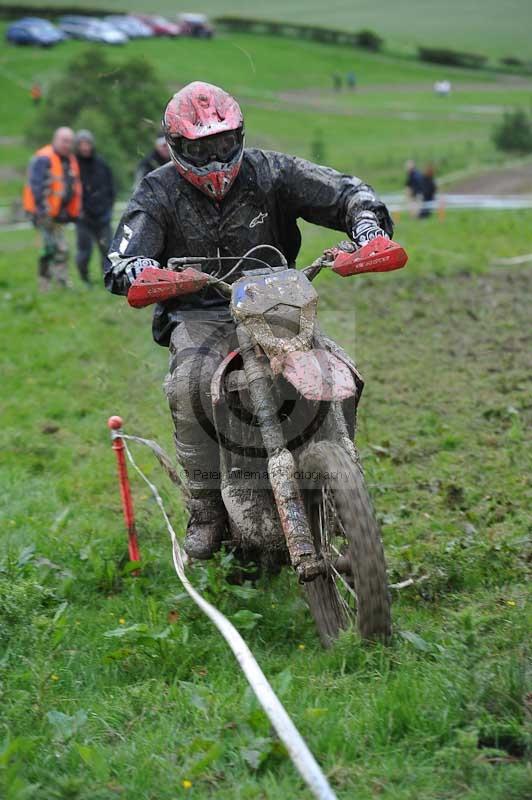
{"x": 94, "y": 223}
{"x": 428, "y": 192}
{"x": 159, "y": 155}
{"x": 351, "y": 80}
{"x": 337, "y": 81}
{"x": 414, "y": 186}
{"x": 52, "y": 196}
{"x": 36, "y": 93}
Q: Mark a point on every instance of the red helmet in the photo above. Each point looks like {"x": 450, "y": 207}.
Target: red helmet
{"x": 204, "y": 128}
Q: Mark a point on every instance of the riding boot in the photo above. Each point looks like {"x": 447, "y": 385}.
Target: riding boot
{"x": 206, "y": 526}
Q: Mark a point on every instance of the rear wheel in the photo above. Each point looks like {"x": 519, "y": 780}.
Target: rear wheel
{"x": 346, "y": 534}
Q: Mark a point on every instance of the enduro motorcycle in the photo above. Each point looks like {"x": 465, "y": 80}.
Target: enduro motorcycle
{"x": 283, "y": 410}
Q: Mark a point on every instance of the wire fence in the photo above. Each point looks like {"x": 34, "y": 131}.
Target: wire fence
{"x": 10, "y": 220}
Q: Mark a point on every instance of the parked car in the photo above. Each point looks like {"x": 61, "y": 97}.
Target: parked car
{"x": 34, "y": 30}
{"x": 160, "y": 26}
{"x": 129, "y": 25}
{"x": 196, "y": 25}
{"x": 91, "y": 29}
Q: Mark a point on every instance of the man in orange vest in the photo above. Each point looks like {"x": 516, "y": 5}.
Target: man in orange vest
{"x": 36, "y": 93}
{"x": 52, "y": 197}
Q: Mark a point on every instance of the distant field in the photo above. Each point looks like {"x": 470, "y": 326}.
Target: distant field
{"x": 487, "y": 26}
{"x": 285, "y": 89}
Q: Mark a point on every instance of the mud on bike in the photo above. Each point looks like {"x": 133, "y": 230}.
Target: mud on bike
{"x": 283, "y": 412}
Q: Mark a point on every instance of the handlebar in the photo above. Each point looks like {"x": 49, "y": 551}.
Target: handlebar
{"x": 181, "y": 277}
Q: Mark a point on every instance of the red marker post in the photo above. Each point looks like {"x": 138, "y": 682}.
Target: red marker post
{"x": 115, "y": 425}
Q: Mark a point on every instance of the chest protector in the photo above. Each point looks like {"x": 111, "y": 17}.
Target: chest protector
{"x": 55, "y": 189}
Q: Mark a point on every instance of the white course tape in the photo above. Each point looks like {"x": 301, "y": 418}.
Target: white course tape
{"x": 301, "y": 756}
{"x": 163, "y": 459}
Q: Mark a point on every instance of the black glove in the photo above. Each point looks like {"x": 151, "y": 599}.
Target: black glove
{"x": 138, "y": 265}
{"x": 365, "y": 228}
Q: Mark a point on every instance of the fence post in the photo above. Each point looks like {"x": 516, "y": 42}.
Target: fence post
{"x": 115, "y": 425}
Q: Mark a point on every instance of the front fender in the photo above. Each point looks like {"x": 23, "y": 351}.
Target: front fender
{"x": 219, "y": 375}
{"x": 317, "y": 374}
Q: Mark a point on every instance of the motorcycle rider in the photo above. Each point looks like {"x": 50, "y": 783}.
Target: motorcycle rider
{"x": 218, "y": 199}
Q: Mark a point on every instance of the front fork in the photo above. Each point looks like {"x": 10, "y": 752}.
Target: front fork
{"x": 281, "y": 463}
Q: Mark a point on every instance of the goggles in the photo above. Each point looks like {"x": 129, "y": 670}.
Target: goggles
{"x": 221, "y": 147}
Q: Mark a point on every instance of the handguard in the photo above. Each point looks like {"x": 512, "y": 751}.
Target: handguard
{"x": 379, "y": 255}
{"x": 155, "y": 285}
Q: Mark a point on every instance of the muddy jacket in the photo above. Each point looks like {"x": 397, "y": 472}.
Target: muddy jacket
{"x": 167, "y": 217}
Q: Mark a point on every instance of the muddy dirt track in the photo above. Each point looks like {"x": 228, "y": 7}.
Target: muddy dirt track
{"x": 462, "y": 358}
{"x": 505, "y": 181}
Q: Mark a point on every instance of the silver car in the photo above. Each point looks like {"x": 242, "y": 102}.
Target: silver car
{"x": 131, "y": 26}
{"x": 91, "y": 29}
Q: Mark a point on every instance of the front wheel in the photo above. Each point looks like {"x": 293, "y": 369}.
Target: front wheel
{"x": 346, "y": 534}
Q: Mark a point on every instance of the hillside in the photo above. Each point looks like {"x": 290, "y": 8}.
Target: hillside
{"x": 286, "y": 91}
{"x": 484, "y": 26}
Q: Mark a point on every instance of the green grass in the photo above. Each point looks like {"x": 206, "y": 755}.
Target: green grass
{"x": 285, "y": 89}
{"x": 484, "y": 26}
{"x": 441, "y": 713}
{"x": 442, "y": 430}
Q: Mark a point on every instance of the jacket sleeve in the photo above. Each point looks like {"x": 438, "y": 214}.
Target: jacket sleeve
{"x": 141, "y": 233}
{"x": 39, "y": 180}
{"x": 323, "y": 196}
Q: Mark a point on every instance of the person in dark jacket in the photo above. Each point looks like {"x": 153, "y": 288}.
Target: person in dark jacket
{"x": 94, "y": 223}
{"x": 218, "y": 199}
{"x": 428, "y": 192}
{"x": 159, "y": 155}
{"x": 414, "y": 187}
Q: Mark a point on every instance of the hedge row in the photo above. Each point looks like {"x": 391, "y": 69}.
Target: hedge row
{"x": 512, "y": 61}
{"x": 18, "y": 11}
{"x": 455, "y": 58}
{"x": 367, "y": 39}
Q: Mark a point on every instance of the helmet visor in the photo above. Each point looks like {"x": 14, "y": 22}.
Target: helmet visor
{"x": 222, "y": 147}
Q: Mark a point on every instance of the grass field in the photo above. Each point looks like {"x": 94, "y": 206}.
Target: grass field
{"x": 484, "y": 26}
{"x": 285, "y": 89}
{"x": 114, "y": 686}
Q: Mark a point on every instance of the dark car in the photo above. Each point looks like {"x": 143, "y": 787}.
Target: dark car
{"x": 196, "y": 25}
{"x": 160, "y": 26}
{"x": 34, "y": 30}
